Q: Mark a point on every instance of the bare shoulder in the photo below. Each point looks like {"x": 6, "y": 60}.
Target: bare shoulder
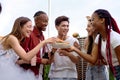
{"x": 117, "y": 51}
{"x": 12, "y": 39}
{"x": 1, "y": 37}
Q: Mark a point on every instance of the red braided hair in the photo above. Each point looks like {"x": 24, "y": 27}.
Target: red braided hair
{"x": 110, "y": 23}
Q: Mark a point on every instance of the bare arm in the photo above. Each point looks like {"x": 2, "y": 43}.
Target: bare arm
{"x": 14, "y": 43}
{"x": 117, "y": 51}
{"x": 72, "y": 57}
{"x": 85, "y": 43}
{"x": 90, "y": 58}
{"x": 1, "y": 37}
{"x": 22, "y": 62}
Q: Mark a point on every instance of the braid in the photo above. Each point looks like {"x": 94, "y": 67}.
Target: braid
{"x": 110, "y": 23}
{"x": 115, "y": 26}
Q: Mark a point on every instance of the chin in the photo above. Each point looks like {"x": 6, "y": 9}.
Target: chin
{"x": 27, "y": 36}
{"x": 64, "y": 34}
{"x": 44, "y": 29}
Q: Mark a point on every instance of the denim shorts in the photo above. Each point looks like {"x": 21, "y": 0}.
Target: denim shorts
{"x": 96, "y": 73}
{"x": 117, "y": 70}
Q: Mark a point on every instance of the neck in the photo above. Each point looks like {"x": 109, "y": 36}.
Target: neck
{"x": 39, "y": 29}
{"x": 94, "y": 35}
{"x": 104, "y": 35}
{"x": 62, "y": 37}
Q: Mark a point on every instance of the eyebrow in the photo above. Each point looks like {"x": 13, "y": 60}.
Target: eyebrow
{"x": 90, "y": 20}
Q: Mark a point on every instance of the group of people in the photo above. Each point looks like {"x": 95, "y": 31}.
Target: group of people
{"x": 25, "y": 51}
{"x": 97, "y": 71}
{"x": 12, "y": 53}
{"x": 106, "y": 43}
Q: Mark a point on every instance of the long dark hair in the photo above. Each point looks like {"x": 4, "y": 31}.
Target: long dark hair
{"x": 110, "y": 23}
{"x": 90, "y": 37}
{"x": 90, "y": 44}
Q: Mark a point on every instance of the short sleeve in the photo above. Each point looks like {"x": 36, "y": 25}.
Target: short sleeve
{"x": 115, "y": 39}
{"x": 75, "y": 40}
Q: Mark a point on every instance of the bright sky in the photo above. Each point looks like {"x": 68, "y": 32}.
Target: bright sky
{"x": 76, "y": 10}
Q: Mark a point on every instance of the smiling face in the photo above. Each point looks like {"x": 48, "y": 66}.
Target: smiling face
{"x": 41, "y": 22}
{"x": 27, "y": 29}
{"x": 90, "y": 29}
{"x": 63, "y": 28}
{"x": 96, "y": 22}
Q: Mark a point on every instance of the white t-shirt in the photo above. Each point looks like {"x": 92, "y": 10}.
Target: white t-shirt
{"x": 63, "y": 67}
{"x": 114, "y": 42}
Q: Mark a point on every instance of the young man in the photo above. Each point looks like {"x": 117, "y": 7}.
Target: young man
{"x": 36, "y": 64}
{"x": 63, "y": 66}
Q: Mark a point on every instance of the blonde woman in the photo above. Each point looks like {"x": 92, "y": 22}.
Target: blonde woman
{"x": 11, "y": 50}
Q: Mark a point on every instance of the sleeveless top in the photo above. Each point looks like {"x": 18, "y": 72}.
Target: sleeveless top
{"x": 9, "y": 70}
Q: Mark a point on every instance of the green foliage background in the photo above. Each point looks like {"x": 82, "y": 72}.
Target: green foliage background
{"x": 46, "y": 72}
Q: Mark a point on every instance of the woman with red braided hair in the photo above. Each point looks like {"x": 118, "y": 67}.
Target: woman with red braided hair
{"x": 98, "y": 70}
{"x": 107, "y": 42}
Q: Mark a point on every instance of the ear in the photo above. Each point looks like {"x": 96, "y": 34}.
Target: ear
{"x": 57, "y": 27}
{"x": 102, "y": 20}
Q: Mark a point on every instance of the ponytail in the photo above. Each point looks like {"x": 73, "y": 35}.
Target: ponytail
{"x": 114, "y": 25}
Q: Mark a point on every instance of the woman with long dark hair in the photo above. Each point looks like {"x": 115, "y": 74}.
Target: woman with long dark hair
{"x": 95, "y": 71}
{"x": 107, "y": 42}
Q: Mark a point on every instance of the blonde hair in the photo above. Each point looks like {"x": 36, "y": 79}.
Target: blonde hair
{"x": 16, "y": 30}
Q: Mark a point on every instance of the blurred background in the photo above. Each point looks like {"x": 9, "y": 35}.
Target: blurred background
{"x": 76, "y": 10}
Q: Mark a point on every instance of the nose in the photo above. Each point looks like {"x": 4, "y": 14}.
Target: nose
{"x": 31, "y": 29}
{"x": 87, "y": 28}
{"x": 45, "y": 23}
{"x": 91, "y": 22}
{"x": 66, "y": 28}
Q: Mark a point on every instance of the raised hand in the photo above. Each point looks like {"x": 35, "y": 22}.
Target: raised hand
{"x": 50, "y": 40}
